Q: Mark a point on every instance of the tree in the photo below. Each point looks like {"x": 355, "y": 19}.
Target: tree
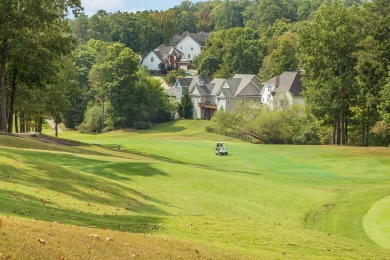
{"x": 329, "y": 65}
{"x": 373, "y": 61}
{"x": 21, "y": 18}
{"x": 283, "y": 58}
{"x": 185, "y": 106}
{"x": 282, "y": 126}
{"x": 113, "y": 80}
{"x": 227, "y": 52}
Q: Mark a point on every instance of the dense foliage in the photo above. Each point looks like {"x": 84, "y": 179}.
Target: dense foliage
{"x": 76, "y": 66}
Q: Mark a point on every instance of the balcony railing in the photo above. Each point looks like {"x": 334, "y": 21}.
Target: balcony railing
{"x": 208, "y": 105}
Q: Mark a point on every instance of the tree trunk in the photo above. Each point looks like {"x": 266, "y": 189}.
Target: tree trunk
{"x": 13, "y": 98}
{"x": 3, "y": 91}
{"x": 16, "y": 122}
{"x": 39, "y": 124}
{"x": 334, "y": 131}
{"x": 56, "y": 129}
{"x": 342, "y": 128}
{"x": 338, "y": 132}
{"x": 22, "y": 123}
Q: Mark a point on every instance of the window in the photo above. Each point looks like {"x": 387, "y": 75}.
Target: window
{"x": 242, "y": 101}
{"x": 152, "y": 59}
{"x": 174, "y": 57}
{"x": 189, "y": 56}
{"x": 205, "y": 113}
{"x": 192, "y": 48}
{"x": 228, "y": 101}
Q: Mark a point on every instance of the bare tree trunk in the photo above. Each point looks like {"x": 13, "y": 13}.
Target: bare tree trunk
{"x": 56, "y": 129}
{"x": 342, "y": 128}
{"x": 22, "y": 123}
{"x": 338, "y": 132}
{"x": 39, "y": 124}
{"x": 3, "y": 91}
{"x": 16, "y": 122}
{"x": 13, "y": 98}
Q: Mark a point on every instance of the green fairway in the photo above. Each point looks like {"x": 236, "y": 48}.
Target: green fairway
{"x": 377, "y": 222}
{"x": 268, "y": 201}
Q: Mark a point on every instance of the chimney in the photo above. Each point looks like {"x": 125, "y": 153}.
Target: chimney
{"x": 277, "y": 81}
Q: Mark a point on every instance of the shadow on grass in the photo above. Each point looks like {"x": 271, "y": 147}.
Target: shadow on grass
{"x": 163, "y": 128}
{"x": 28, "y": 206}
{"x": 86, "y": 182}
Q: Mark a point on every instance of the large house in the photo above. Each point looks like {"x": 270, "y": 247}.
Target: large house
{"x": 178, "y": 54}
{"x": 170, "y": 56}
{"x": 222, "y": 94}
{"x": 283, "y": 90}
{"x": 208, "y": 95}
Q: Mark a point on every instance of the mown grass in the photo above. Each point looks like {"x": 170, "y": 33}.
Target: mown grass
{"x": 262, "y": 201}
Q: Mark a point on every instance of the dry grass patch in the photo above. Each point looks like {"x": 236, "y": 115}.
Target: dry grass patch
{"x": 31, "y": 239}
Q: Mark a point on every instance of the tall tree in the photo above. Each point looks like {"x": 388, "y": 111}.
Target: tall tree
{"x": 329, "y": 65}
{"x": 373, "y": 61}
{"x": 20, "y": 17}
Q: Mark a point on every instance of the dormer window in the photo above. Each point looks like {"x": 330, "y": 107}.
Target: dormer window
{"x": 152, "y": 59}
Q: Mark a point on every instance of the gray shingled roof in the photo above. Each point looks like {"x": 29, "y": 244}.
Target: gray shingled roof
{"x": 185, "y": 82}
{"x": 246, "y": 79}
{"x": 288, "y": 80}
{"x": 200, "y": 38}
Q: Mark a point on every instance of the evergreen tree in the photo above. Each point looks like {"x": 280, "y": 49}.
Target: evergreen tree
{"x": 185, "y": 107}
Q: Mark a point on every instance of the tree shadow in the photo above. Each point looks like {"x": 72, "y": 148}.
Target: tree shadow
{"x": 73, "y": 177}
{"x": 27, "y": 206}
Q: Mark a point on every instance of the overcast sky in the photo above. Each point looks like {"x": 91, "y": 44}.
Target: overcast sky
{"x": 111, "y": 6}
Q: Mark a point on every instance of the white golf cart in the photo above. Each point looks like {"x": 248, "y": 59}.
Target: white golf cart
{"x": 221, "y": 149}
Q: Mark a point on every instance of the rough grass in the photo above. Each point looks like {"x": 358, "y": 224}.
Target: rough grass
{"x": 262, "y": 201}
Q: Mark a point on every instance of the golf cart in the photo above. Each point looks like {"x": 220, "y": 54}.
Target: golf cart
{"x": 221, "y": 149}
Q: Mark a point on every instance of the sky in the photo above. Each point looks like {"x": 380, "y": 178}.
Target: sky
{"x": 111, "y": 6}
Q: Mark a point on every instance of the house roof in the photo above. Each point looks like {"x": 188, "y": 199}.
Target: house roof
{"x": 216, "y": 85}
{"x": 288, "y": 80}
{"x": 163, "y": 51}
{"x": 200, "y": 38}
{"x": 246, "y": 79}
{"x": 185, "y": 82}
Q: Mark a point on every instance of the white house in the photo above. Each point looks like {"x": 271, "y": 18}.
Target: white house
{"x": 191, "y": 44}
{"x": 283, "y": 90}
{"x": 152, "y": 60}
{"x": 179, "y": 53}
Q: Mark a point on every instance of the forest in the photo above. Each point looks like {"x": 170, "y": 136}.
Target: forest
{"x": 85, "y": 72}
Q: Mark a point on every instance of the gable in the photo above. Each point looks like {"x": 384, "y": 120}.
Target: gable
{"x": 195, "y": 92}
{"x": 249, "y": 90}
{"x": 151, "y": 55}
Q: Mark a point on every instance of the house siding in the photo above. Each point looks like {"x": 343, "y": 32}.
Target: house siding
{"x": 189, "y": 47}
{"x": 151, "y": 65}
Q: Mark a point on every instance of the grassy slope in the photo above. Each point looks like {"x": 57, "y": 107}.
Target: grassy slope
{"x": 259, "y": 201}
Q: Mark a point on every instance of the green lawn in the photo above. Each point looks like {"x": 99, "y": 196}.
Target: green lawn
{"x": 268, "y": 201}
